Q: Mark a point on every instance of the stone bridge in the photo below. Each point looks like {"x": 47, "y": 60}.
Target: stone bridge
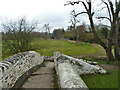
{"x": 31, "y": 70}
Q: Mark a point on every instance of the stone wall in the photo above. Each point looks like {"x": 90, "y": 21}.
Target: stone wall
{"x": 12, "y": 68}
{"x": 69, "y": 69}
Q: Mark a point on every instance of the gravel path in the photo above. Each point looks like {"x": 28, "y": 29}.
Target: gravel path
{"x": 42, "y": 78}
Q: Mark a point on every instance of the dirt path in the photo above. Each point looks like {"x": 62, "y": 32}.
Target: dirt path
{"x": 42, "y": 78}
{"x": 109, "y": 67}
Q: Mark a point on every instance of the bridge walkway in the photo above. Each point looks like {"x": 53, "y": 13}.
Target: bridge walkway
{"x": 42, "y": 78}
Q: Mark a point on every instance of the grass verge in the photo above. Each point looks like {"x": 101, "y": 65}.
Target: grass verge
{"x": 102, "y": 81}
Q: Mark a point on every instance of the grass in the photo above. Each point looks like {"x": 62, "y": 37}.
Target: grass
{"x": 48, "y": 47}
{"x": 5, "y": 52}
{"x": 102, "y": 81}
{"x": 110, "y": 80}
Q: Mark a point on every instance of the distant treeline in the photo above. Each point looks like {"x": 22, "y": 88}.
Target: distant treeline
{"x": 84, "y": 33}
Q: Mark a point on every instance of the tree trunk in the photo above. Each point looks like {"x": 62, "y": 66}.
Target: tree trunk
{"x": 108, "y": 49}
{"x": 95, "y": 34}
{"x": 116, "y": 47}
{"x": 110, "y": 41}
{"x": 77, "y": 36}
{"x": 110, "y": 56}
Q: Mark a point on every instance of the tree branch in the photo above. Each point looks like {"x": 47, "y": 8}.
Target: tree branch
{"x": 111, "y": 7}
{"x": 108, "y": 10}
{"x": 106, "y": 26}
{"x": 103, "y": 18}
{"x": 101, "y": 9}
{"x": 80, "y": 13}
{"x": 72, "y": 3}
{"x": 85, "y": 6}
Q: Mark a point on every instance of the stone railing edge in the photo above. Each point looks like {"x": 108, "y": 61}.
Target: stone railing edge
{"x": 17, "y": 68}
{"x": 61, "y": 59}
{"x": 64, "y": 78}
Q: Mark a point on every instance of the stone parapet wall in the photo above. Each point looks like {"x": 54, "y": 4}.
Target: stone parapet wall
{"x": 69, "y": 78}
{"x": 12, "y": 68}
{"x": 85, "y": 67}
{"x": 69, "y": 69}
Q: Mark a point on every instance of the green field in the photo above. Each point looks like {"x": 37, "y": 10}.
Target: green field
{"x": 48, "y": 47}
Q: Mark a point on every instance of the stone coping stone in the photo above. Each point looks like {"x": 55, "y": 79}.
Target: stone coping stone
{"x": 69, "y": 78}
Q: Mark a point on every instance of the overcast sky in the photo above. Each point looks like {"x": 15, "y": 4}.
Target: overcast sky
{"x": 46, "y": 11}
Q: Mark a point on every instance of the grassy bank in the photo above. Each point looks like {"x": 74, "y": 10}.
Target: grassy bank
{"x": 48, "y": 47}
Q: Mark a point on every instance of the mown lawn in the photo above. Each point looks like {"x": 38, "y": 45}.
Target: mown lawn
{"x": 107, "y": 81}
{"x": 102, "y": 81}
{"x": 48, "y": 47}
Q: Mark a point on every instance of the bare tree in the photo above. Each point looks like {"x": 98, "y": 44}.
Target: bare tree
{"x": 113, "y": 10}
{"x": 46, "y": 28}
{"x": 112, "y": 18}
{"x": 18, "y": 35}
{"x": 74, "y": 21}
